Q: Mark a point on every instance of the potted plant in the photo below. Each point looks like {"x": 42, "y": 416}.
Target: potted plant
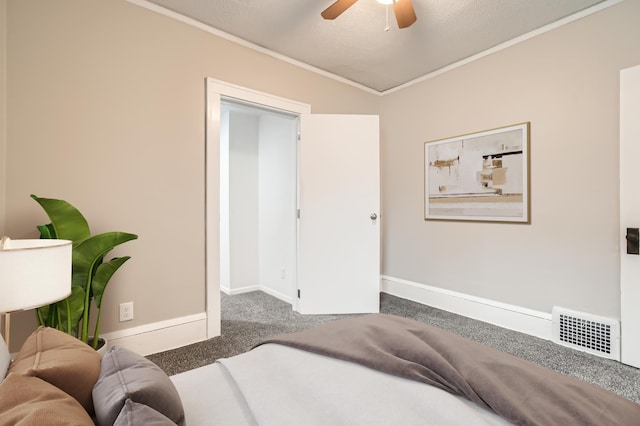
{"x": 90, "y": 272}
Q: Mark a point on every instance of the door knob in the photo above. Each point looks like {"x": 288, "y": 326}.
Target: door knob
{"x": 373, "y": 216}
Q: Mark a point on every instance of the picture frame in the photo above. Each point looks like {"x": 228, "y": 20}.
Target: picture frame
{"x": 482, "y": 176}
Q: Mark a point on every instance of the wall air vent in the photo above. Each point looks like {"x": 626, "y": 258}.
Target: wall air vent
{"x": 588, "y": 333}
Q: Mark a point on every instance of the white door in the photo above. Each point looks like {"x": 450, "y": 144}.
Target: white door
{"x": 629, "y": 214}
{"x": 339, "y": 226}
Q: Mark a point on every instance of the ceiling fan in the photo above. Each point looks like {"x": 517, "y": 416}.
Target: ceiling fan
{"x": 405, "y": 15}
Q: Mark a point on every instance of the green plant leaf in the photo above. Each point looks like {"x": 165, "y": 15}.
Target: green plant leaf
{"x": 67, "y": 221}
{"x": 42, "y": 315}
{"x": 86, "y": 257}
{"x": 103, "y": 274}
{"x": 70, "y": 310}
{"x": 47, "y": 232}
{"x": 89, "y": 253}
{"x": 90, "y": 275}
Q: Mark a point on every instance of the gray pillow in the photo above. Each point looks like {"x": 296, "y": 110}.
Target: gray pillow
{"x": 127, "y": 375}
{"x": 5, "y": 359}
{"x": 134, "y": 414}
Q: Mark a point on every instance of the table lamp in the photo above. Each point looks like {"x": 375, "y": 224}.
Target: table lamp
{"x": 33, "y": 273}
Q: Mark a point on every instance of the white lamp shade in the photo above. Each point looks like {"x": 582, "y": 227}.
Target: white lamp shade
{"x": 34, "y": 273}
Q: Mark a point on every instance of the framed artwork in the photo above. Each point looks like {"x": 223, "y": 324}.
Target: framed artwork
{"x": 481, "y": 176}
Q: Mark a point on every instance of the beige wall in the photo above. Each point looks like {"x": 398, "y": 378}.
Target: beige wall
{"x": 565, "y": 82}
{"x": 106, "y": 107}
{"x": 3, "y": 98}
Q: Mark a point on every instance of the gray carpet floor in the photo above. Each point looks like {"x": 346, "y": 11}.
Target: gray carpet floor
{"x": 250, "y": 317}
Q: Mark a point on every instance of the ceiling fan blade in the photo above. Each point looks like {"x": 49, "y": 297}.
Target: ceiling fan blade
{"x": 336, "y": 9}
{"x": 405, "y": 15}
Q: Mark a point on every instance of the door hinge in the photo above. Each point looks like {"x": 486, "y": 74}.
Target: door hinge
{"x": 298, "y": 213}
{"x": 298, "y": 293}
{"x": 633, "y": 241}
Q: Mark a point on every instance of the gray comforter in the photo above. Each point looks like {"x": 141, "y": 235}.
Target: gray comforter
{"x": 518, "y": 390}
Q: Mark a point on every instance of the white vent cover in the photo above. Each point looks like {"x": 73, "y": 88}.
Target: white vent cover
{"x": 586, "y": 332}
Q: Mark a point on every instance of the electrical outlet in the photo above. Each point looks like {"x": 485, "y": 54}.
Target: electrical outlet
{"x": 126, "y": 311}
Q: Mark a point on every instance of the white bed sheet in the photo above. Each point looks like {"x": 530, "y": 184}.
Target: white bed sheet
{"x": 210, "y": 397}
{"x": 278, "y": 385}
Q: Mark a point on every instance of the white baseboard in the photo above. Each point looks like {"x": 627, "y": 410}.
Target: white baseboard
{"x": 240, "y": 290}
{"x": 165, "y": 335}
{"x": 517, "y": 318}
{"x": 264, "y": 289}
{"x": 277, "y": 294}
{"x": 161, "y": 336}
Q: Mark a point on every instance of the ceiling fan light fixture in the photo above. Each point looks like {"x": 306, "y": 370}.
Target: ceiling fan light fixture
{"x": 405, "y": 15}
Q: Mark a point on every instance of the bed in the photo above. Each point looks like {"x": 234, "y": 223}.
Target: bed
{"x": 367, "y": 370}
{"x": 382, "y": 370}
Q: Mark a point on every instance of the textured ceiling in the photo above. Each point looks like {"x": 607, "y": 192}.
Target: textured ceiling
{"x": 355, "y": 45}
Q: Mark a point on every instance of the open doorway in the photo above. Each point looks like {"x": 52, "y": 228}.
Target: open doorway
{"x": 217, "y": 91}
{"x": 258, "y": 199}
{"x": 336, "y": 265}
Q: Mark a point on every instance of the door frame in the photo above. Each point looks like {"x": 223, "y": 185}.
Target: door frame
{"x": 215, "y": 91}
{"x": 629, "y": 209}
